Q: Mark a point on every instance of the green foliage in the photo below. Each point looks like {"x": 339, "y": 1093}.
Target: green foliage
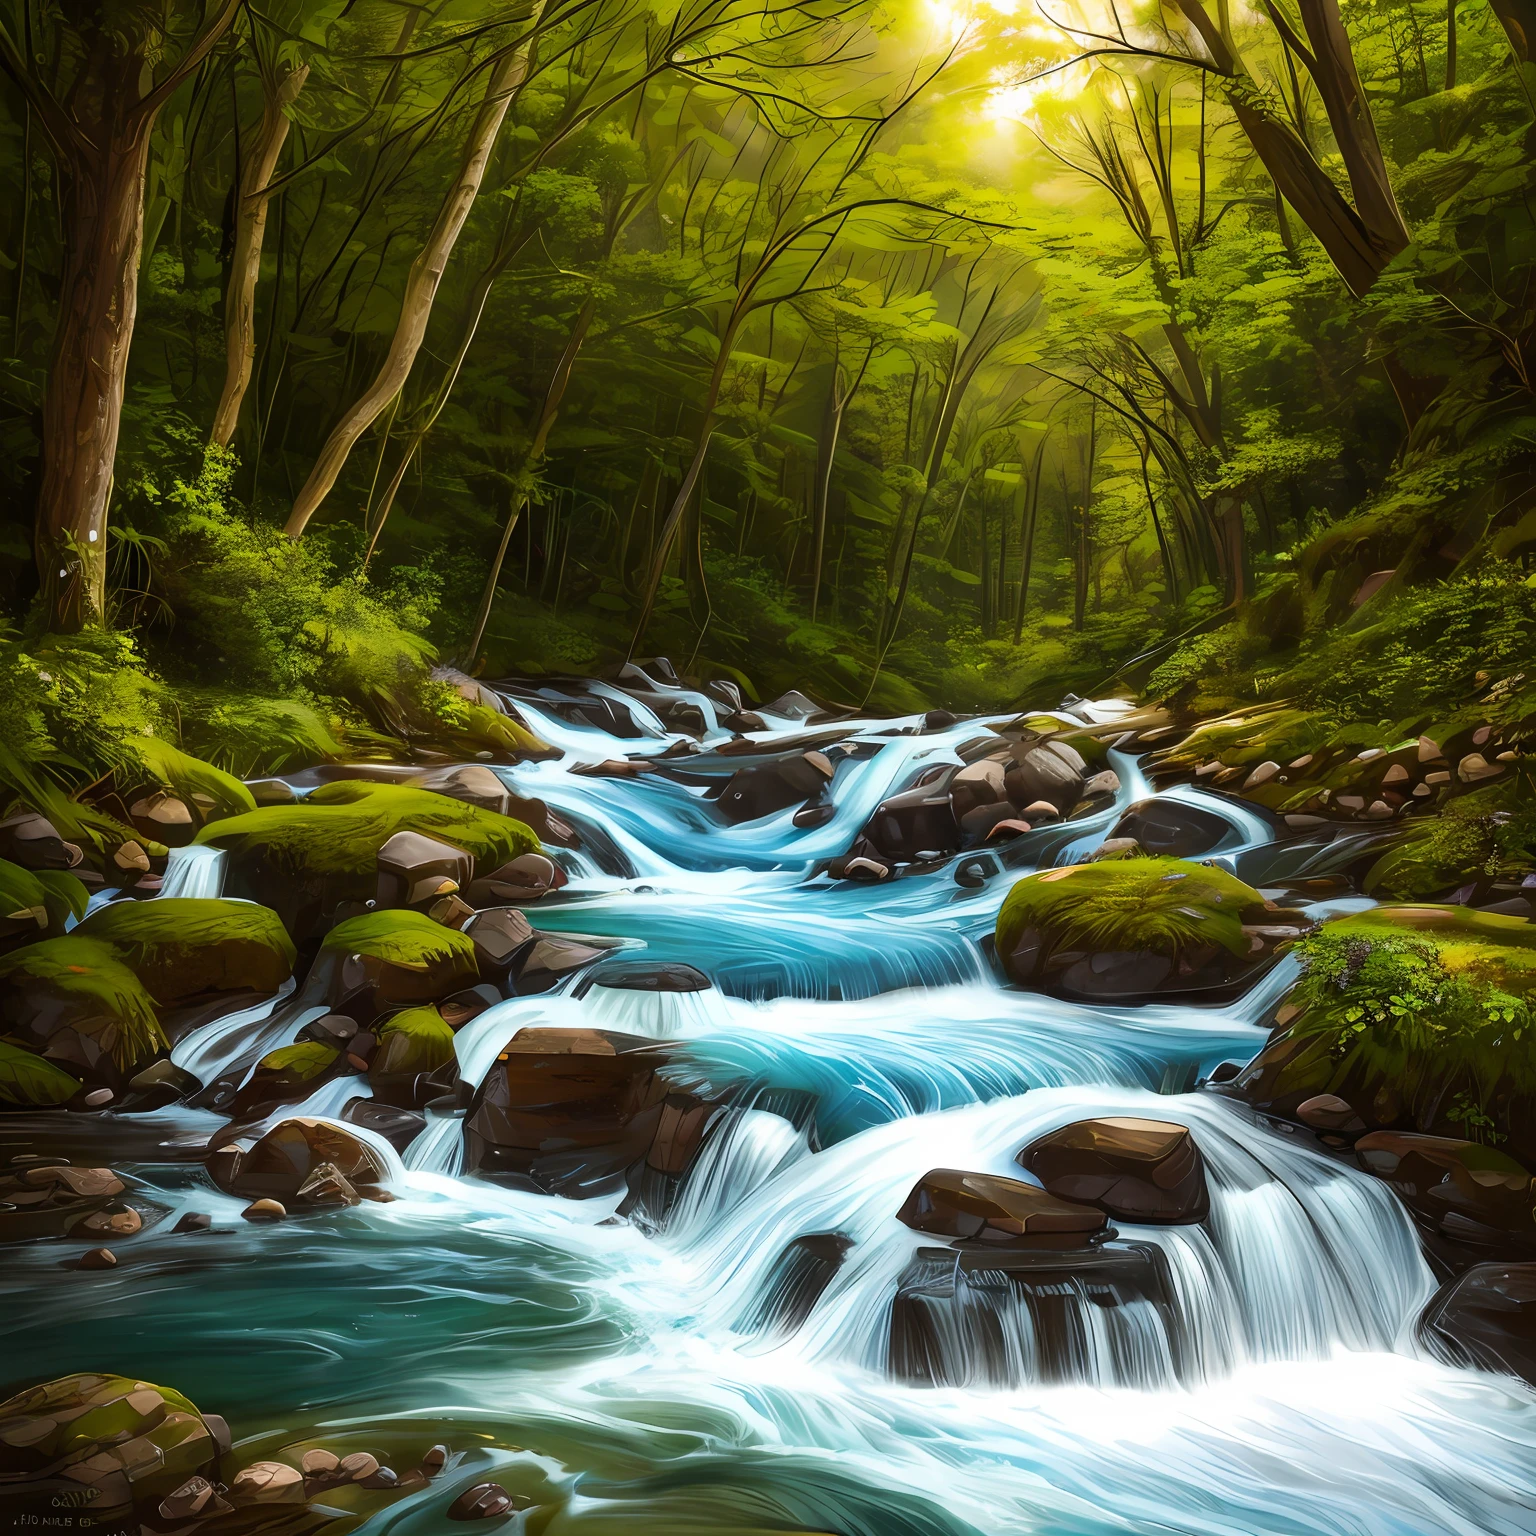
{"x": 29, "y": 1079}
{"x": 302, "y": 1062}
{"x": 189, "y": 777}
{"x": 1427, "y": 998}
{"x": 1164, "y": 905}
{"x": 408, "y": 939}
{"x": 340, "y": 827}
{"x": 49, "y": 897}
{"x": 1480, "y": 834}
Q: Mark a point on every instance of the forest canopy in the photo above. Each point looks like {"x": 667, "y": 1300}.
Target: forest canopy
{"x": 906, "y": 353}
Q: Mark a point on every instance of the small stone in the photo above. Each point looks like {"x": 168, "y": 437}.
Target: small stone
{"x": 193, "y": 1498}
{"x": 265, "y": 1210}
{"x": 98, "y": 1258}
{"x": 318, "y": 1462}
{"x": 1440, "y": 776}
{"x": 866, "y": 869}
{"x": 130, "y": 856}
{"x": 98, "y": 1098}
{"x": 1300, "y": 762}
{"x": 1429, "y": 750}
{"x": 1303, "y": 823}
{"x": 85, "y": 1182}
{"x": 1205, "y": 770}
{"x": 358, "y": 1465}
{"x": 1475, "y": 766}
{"x": 1481, "y": 734}
{"x": 1396, "y": 774}
{"x": 1350, "y": 802}
{"x": 1506, "y": 757}
{"x": 1261, "y": 775}
{"x": 385, "y": 1477}
{"x": 1104, "y": 783}
{"x": 1378, "y": 810}
{"x": 268, "y": 1482}
{"x": 1369, "y": 753}
{"x": 1421, "y": 790}
{"x": 1040, "y": 810}
{"x": 435, "y": 1460}
{"x": 121, "y": 1221}
{"x": 482, "y": 1502}
{"x": 194, "y": 1221}
{"x": 1328, "y": 1112}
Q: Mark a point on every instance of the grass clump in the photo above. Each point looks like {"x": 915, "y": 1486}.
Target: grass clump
{"x": 32, "y": 1081}
{"x": 181, "y": 946}
{"x": 193, "y": 779}
{"x": 408, "y": 939}
{"x": 1159, "y": 904}
{"x": 1483, "y": 835}
{"x": 339, "y": 829}
{"x": 49, "y": 896}
{"x": 1436, "y": 1003}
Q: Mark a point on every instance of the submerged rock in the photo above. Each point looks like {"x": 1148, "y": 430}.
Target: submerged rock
{"x": 984, "y": 1208}
{"x": 1486, "y": 1318}
{"x": 279, "y": 1165}
{"x": 755, "y": 792}
{"x": 117, "y": 1444}
{"x": 1134, "y": 1170}
{"x": 1465, "y": 1191}
{"x": 1171, "y": 828}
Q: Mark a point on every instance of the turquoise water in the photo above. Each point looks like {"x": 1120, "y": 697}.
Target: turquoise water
{"x": 616, "y": 1379}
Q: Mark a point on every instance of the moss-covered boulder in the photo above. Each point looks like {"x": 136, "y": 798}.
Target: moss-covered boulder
{"x": 1420, "y": 1018}
{"x": 412, "y": 1041}
{"x": 115, "y": 1445}
{"x": 396, "y": 959}
{"x": 304, "y": 859}
{"x": 181, "y": 946}
{"x": 1138, "y": 927}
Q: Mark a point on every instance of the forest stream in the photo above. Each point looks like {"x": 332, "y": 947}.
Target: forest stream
{"x": 770, "y": 1347}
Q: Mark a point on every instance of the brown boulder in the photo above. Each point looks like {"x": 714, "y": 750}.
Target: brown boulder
{"x": 566, "y": 1111}
{"x": 51, "y": 1200}
{"x": 297, "y": 1162}
{"x": 525, "y": 878}
{"x": 1135, "y": 1170}
{"x": 1460, "y": 1189}
{"x": 34, "y": 842}
{"x": 981, "y": 1207}
{"x": 415, "y": 870}
{"x": 1486, "y": 1318}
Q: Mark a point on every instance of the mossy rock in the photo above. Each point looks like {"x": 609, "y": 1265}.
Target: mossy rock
{"x": 488, "y": 728}
{"x": 1127, "y": 927}
{"x": 79, "y": 983}
{"x": 180, "y": 946}
{"x": 95, "y": 1430}
{"x": 212, "y": 790}
{"x": 1420, "y": 1017}
{"x": 413, "y": 1040}
{"x": 303, "y": 860}
{"x": 286, "y": 1075}
{"x": 30, "y": 1081}
{"x": 404, "y": 938}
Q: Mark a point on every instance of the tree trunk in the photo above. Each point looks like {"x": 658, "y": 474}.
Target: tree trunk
{"x": 1354, "y": 131}
{"x": 1518, "y": 18}
{"x": 103, "y": 216}
{"x": 1232, "y": 547}
{"x": 421, "y": 287}
{"x": 245, "y": 265}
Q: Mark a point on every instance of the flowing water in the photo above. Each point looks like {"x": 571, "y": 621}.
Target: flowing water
{"x": 654, "y": 1384}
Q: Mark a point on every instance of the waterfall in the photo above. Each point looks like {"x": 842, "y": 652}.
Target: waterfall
{"x": 194, "y": 871}
{"x": 213, "y": 1047}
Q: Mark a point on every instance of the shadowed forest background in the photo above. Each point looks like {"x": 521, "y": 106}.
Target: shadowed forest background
{"x": 906, "y": 354}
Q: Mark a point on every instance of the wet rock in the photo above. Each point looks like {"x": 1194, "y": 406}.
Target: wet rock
{"x": 1053, "y": 771}
{"x": 163, "y": 1081}
{"x": 814, "y": 815}
{"x": 53, "y": 1199}
{"x": 939, "y": 720}
{"x": 1132, "y": 1169}
{"x": 485, "y": 1501}
{"x": 272, "y": 792}
{"x": 459, "y": 1008}
{"x": 984, "y": 1208}
{"x": 35, "y": 843}
{"x": 398, "y": 1126}
{"x": 265, "y": 1210}
{"x": 752, "y": 793}
{"x": 1486, "y": 1318}
{"x": 276, "y": 1165}
{"x": 358, "y": 1466}
{"x": 793, "y": 706}
{"x": 123, "y": 1444}
{"x": 267, "y": 1482}
{"x": 566, "y": 1111}
{"x": 415, "y": 870}
{"x": 1261, "y": 775}
{"x": 195, "y": 1499}
{"x": 1474, "y": 768}
{"x": 915, "y": 821}
{"x": 529, "y": 877}
{"x": 193, "y": 1221}
{"x": 1041, "y": 812}
{"x": 1328, "y": 1112}
{"x": 478, "y": 785}
{"x": 98, "y": 1258}
{"x": 500, "y": 935}
{"x": 319, "y": 1462}
{"x": 388, "y": 960}
{"x": 979, "y": 823}
{"x": 957, "y": 1315}
{"x": 552, "y": 958}
{"x": 744, "y": 720}
{"x": 796, "y": 1283}
{"x": 1172, "y": 829}
{"x": 164, "y": 818}
{"x": 115, "y": 1220}
{"x": 434, "y": 1461}
{"x": 1116, "y": 974}
{"x": 645, "y": 976}
{"x": 858, "y": 867}
{"x": 1105, "y": 782}
{"x": 1462, "y": 1190}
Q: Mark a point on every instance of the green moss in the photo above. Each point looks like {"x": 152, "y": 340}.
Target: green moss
{"x": 1485, "y": 832}
{"x": 414, "y": 1040}
{"x": 63, "y": 895}
{"x": 1165, "y": 905}
{"x": 408, "y": 939}
{"x": 181, "y": 946}
{"x": 189, "y": 776}
{"x": 29, "y": 1079}
{"x": 1434, "y": 1001}
{"x": 302, "y": 1061}
{"x": 339, "y": 829}
{"x": 90, "y": 972}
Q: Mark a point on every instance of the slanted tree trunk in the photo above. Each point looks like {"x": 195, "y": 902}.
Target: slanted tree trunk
{"x": 1518, "y": 18}
{"x": 421, "y": 286}
{"x": 280, "y": 92}
{"x": 1354, "y": 130}
{"x": 839, "y": 396}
